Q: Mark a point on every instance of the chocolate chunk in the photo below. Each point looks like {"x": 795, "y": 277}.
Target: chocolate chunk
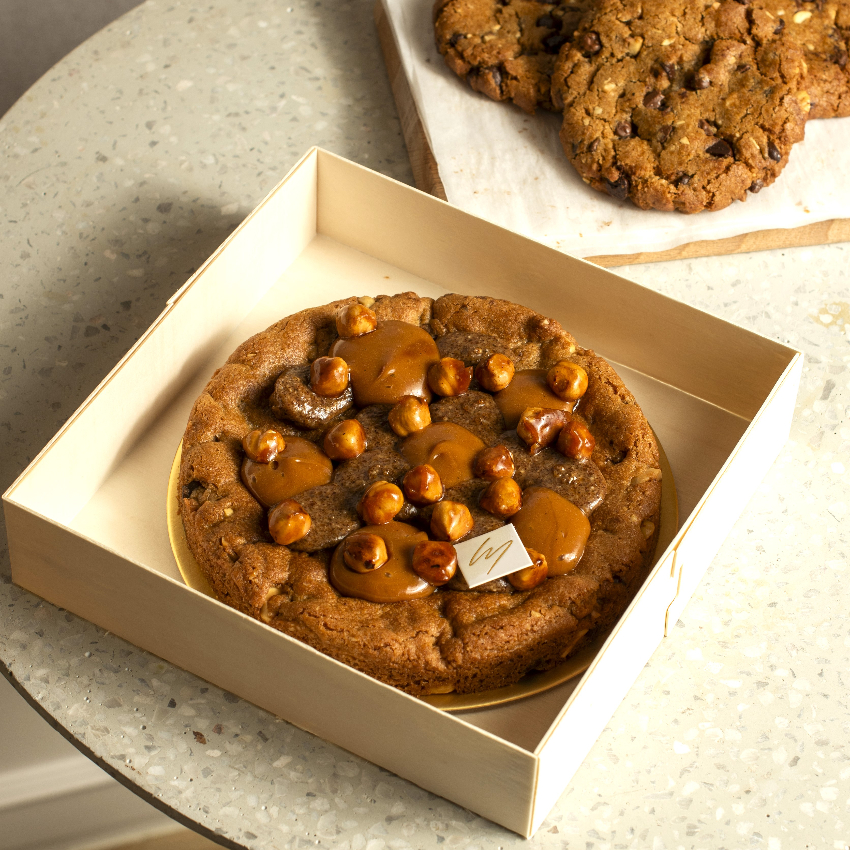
{"x": 623, "y": 129}
{"x": 669, "y": 69}
{"x": 700, "y": 82}
{"x": 549, "y": 21}
{"x": 683, "y": 180}
{"x": 773, "y": 152}
{"x": 618, "y": 188}
{"x": 664, "y": 133}
{"x": 743, "y": 67}
{"x": 779, "y": 27}
{"x": 455, "y": 39}
{"x": 589, "y": 43}
{"x": 591, "y": 148}
{"x": 653, "y": 99}
{"x": 707, "y": 128}
{"x": 756, "y": 186}
{"x": 719, "y": 148}
{"x": 553, "y": 43}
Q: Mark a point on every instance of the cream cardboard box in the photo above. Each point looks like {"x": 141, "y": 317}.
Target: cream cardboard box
{"x": 87, "y": 529}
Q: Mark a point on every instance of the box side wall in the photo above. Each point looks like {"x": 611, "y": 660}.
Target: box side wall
{"x": 209, "y": 639}
{"x": 664, "y": 596}
{"x": 670, "y": 341}
{"x": 200, "y": 317}
{"x": 735, "y": 487}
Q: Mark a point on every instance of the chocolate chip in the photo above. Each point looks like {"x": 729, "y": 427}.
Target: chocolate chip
{"x": 548, "y": 21}
{"x": 700, "y": 81}
{"x": 669, "y": 69}
{"x": 623, "y": 129}
{"x": 589, "y": 43}
{"x": 779, "y": 27}
{"x": 664, "y": 133}
{"x": 456, "y": 37}
{"x": 743, "y": 67}
{"x": 756, "y": 186}
{"x": 707, "y": 128}
{"x": 591, "y": 148}
{"x": 653, "y": 99}
{"x": 618, "y": 188}
{"x": 683, "y": 180}
{"x": 773, "y": 152}
{"x": 719, "y": 148}
{"x": 552, "y": 43}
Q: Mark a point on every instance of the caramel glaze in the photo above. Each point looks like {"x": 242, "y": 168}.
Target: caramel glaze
{"x": 552, "y": 526}
{"x": 301, "y": 466}
{"x": 450, "y": 448}
{"x": 395, "y": 581}
{"x": 390, "y": 362}
{"x": 527, "y": 389}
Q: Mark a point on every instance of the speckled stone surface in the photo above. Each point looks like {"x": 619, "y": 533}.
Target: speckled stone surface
{"x": 122, "y": 169}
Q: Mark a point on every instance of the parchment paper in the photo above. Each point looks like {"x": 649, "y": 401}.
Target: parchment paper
{"x": 508, "y": 167}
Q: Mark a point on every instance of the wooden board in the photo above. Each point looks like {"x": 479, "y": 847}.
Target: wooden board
{"x": 426, "y": 174}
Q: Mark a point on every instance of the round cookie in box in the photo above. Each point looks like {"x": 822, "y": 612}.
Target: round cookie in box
{"x": 333, "y": 467}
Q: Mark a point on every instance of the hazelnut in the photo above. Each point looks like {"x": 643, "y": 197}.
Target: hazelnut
{"x": 364, "y": 552}
{"x": 502, "y": 497}
{"x": 494, "y": 462}
{"x": 451, "y": 521}
{"x": 263, "y": 446}
{"x": 529, "y": 577}
{"x": 539, "y": 427}
{"x": 422, "y": 485}
{"x": 380, "y": 503}
{"x": 355, "y": 320}
{"x": 410, "y": 414}
{"x": 567, "y": 380}
{"x": 288, "y": 522}
{"x": 435, "y": 561}
{"x": 575, "y": 440}
{"x": 449, "y": 377}
{"x": 495, "y": 373}
{"x": 345, "y": 440}
{"x": 328, "y": 376}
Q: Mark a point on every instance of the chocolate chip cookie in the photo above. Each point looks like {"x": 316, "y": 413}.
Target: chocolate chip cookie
{"x": 506, "y": 49}
{"x": 255, "y": 467}
{"x": 820, "y": 29}
{"x": 676, "y": 105}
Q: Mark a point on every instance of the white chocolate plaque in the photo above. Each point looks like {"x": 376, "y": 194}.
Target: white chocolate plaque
{"x": 491, "y": 556}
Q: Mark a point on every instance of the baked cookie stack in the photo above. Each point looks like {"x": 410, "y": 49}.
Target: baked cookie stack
{"x": 681, "y": 105}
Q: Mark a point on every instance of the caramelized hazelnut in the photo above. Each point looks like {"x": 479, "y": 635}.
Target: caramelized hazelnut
{"x": 345, "y": 440}
{"x": 435, "y": 561}
{"x": 529, "y": 577}
{"x": 422, "y": 485}
{"x": 567, "y": 380}
{"x": 449, "y": 377}
{"x": 502, "y": 497}
{"x": 575, "y": 440}
{"x": 539, "y": 427}
{"x": 380, "y": 503}
{"x": 451, "y": 521}
{"x": 364, "y": 552}
{"x": 263, "y": 446}
{"x": 410, "y": 414}
{"x": 328, "y": 376}
{"x": 495, "y": 373}
{"x": 494, "y": 462}
{"x": 355, "y": 320}
{"x": 288, "y": 522}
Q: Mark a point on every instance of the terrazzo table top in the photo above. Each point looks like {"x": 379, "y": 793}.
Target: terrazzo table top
{"x": 122, "y": 169}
